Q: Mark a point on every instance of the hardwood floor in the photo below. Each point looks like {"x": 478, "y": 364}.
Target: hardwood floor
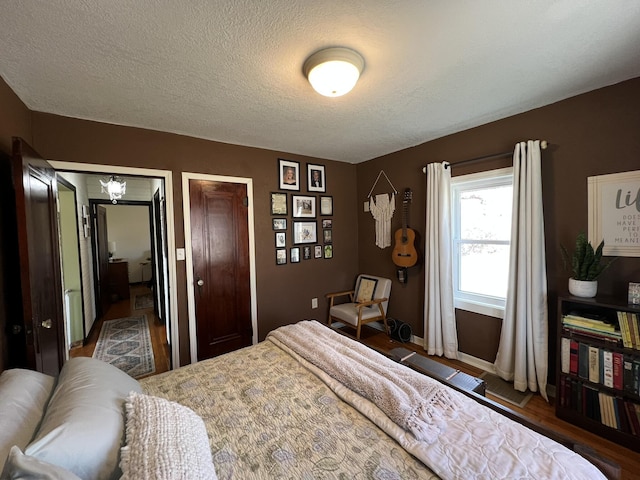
{"x": 537, "y": 409}
{"x": 126, "y": 308}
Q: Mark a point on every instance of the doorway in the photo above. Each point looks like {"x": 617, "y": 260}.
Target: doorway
{"x": 168, "y": 241}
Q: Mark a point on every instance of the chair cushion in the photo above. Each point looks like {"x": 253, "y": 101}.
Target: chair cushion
{"x": 347, "y": 312}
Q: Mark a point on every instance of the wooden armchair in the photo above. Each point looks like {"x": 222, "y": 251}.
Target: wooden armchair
{"x": 367, "y": 303}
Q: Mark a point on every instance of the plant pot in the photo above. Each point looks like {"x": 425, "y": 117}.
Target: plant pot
{"x": 583, "y": 288}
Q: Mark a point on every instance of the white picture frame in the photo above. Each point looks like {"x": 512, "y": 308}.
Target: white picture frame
{"x": 614, "y": 213}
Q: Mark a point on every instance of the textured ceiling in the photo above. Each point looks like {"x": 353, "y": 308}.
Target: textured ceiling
{"x": 231, "y": 71}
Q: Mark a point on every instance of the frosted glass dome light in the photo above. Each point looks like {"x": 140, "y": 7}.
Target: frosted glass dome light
{"x": 334, "y": 71}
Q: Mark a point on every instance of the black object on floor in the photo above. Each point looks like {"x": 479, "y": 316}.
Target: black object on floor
{"x": 445, "y": 374}
{"x": 398, "y": 330}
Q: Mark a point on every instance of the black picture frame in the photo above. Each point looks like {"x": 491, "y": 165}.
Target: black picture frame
{"x": 279, "y": 224}
{"x": 294, "y": 255}
{"x": 327, "y": 236}
{"x": 281, "y": 256}
{"x": 306, "y": 252}
{"x": 328, "y": 251}
{"x": 305, "y": 232}
{"x": 317, "y": 251}
{"x": 288, "y": 181}
{"x": 327, "y": 223}
{"x": 326, "y": 205}
{"x": 316, "y": 179}
{"x": 279, "y": 204}
{"x": 303, "y": 206}
{"x": 281, "y": 239}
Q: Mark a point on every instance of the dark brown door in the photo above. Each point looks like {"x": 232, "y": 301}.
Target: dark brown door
{"x": 220, "y": 245}
{"x": 102, "y": 261}
{"x": 40, "y": 277}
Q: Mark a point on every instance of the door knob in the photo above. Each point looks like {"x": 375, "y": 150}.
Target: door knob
{"x": 48, "y": 323}
{"x": 200, "y": 282}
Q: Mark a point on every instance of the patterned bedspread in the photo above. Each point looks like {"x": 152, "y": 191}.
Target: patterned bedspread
{"x": 272, "y": 414}
{"x": 267, "y": 416}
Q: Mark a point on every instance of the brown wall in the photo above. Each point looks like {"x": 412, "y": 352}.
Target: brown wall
{"x": 591, "y": 134}
{"x": 284, "y": 292}
{"x": 15, "y": 120}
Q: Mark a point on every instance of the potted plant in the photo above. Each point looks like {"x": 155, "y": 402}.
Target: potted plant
{"x": 586, "y": 267}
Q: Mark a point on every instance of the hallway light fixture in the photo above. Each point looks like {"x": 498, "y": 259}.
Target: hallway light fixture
{"x": 334, "y": 71}
{"x": 115, "y": 187}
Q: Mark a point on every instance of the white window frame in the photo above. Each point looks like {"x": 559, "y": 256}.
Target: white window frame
{"x": 483, "y": 304}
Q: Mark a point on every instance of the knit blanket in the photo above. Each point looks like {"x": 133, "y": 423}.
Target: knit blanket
{"x": 416, "y": 403}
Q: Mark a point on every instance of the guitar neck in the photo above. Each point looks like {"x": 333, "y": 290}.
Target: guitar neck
{"x": 405, "y": 215}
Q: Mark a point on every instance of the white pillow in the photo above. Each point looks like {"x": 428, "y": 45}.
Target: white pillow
{"x": 83, "y": 427}
{"x": 24, "y": 395}
{"x": 164, "y": 441}
{"x": 23, "y": 467}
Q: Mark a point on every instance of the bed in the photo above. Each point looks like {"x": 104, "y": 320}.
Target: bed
{"x": 305, "y": 403}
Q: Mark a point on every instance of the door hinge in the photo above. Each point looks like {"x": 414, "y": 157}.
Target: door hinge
{"x": 245, "y": 201}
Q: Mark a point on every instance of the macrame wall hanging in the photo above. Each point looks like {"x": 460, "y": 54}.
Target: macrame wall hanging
{"x": 382, "y": 208}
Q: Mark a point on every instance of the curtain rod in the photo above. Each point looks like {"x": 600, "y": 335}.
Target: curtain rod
{"x": 543, "y": 146}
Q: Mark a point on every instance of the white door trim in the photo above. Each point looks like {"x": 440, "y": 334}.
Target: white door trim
{"x": 167, "y": 176}
{"x": 186, "y": 206}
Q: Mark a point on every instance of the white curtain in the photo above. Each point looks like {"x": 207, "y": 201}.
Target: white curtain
{"x": 440, "y": 336}
{"x": 522, "y": 352}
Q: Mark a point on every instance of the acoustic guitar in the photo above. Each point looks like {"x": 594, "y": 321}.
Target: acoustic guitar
{"x": 404, "y": 252}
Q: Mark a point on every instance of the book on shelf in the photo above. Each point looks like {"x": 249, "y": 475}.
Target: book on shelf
{"x": 607, "y": 368}
{"x": 573, "y": 357}
{"x": 615, "y": 338}
{"x": 594, "y": 364}
{"x": 583, "y": 360}
{"x": 618, "y": 378}
{"x": 634, "y": 422}
{"x": 588, "y": 323}
{"x": 623, "y": 416}
{"x": 565, "y": 355}
{"x": 630, "y": 329}
{"x": 634, "y": 322}
{"x": 633, "y": 330}
{"x": 628, "y": 383}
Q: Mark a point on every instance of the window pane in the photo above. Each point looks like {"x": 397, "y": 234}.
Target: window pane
{"x": 484, "y": 269}
{"x": 485, "y": 213}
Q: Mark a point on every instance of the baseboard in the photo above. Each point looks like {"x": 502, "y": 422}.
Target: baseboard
{"x": 476, "y": 362}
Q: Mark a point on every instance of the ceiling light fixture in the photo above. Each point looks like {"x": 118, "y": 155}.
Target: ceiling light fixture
{"x": 332, "y": 72}
{"x": 115, "y": 187}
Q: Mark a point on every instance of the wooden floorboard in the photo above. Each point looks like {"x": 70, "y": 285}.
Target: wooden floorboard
{"x": 537, "y": 409}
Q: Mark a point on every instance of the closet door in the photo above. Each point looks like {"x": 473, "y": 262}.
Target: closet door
{"x": 220, "y": 245}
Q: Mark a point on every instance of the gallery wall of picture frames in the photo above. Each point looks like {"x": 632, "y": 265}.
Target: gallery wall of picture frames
{"x": 299, "y": 233}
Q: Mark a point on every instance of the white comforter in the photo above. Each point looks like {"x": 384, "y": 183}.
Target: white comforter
{"x": 478, "y": 444}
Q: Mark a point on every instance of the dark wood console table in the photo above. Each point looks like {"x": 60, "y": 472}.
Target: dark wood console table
{"x": 118, "y": 278}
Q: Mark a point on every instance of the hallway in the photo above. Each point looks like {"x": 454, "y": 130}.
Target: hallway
{"x": 126, "y": 308}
